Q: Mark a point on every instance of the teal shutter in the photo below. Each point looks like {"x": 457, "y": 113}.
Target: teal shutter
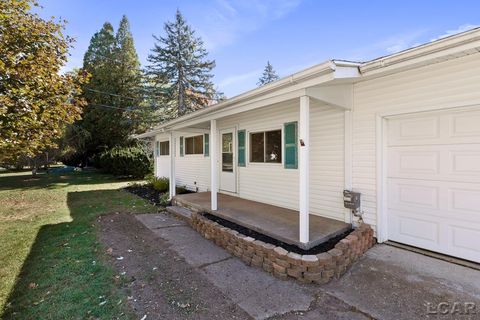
{"x": 290, "y": 147}
{"x": 206, "y": 142}
{"x": 241, "y": 148}
{"x": 157, "y": 148}
{"x": 181, "y": 146}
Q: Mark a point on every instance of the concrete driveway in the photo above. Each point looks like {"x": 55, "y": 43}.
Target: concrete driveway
{"x": 386, "y": 283}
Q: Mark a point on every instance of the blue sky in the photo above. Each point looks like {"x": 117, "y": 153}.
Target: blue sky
{"x": 241, "y": 35}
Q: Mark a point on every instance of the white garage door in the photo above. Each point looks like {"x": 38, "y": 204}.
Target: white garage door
{"x": 433, "y": 179}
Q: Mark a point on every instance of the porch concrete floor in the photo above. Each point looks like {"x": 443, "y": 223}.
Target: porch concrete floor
{"x": 278, "y": 223}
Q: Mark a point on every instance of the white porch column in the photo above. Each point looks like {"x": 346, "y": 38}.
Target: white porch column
{"x": 303, "y": 156}
{"x": 172, "y": 166}
{"x": 213, "y": 163}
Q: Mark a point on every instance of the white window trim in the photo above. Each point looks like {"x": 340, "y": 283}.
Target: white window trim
{"x": 159, "y": 149}
{"x": 190, "y": 155}
{"x": 270, "y": 164}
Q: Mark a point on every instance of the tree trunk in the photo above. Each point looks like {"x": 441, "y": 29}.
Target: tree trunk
{"x": 34, "y": 167}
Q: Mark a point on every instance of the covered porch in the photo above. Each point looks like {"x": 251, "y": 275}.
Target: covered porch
{"x": 278, "y": 223}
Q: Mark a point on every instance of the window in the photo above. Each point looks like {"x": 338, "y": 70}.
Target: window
{"x": 266, "y": 146}
{"x": 227, "y": 152}
{"x": 164, "y": 148}
{"x": 194, "y": 145}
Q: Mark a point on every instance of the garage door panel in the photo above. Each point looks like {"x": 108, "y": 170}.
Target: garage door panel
{"x": 460, "y": 162}
{"x": 407, "y": 228}
{"x": 411, "y": 130}
{"x": 465, "y": 161}
{"x": 413, "y": 160}
{"x": 456, "y": 200}
{"x": 407, "y": 194}
{"x": 466, "y": 201}
{"x": 461, "y": 238}
{"x": 464, "y": 124}
{"x": 433, "y": 181}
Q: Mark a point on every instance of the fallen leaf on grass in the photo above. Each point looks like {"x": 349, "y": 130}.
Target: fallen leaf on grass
{"x": 33, "y": 285}
{"x": 144, "y": 317}
{"x": 119, "y": 258}
{"x": 109, "y": 250}
{"x": 102, "y": 303}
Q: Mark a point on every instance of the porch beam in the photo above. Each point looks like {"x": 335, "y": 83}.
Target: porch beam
{"x": 304, "y": 146}
{"x": 172, "y": 178}
{"x": 213, "y": 164}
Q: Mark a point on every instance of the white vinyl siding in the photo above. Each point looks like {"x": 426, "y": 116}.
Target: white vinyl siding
{"x": 162, "y": 162}
{"x": 192, "y": 170}
{"x": 449, "y": 84}
{"x": 266, "y": 182}
{"x": 327, "y": 181}
{"x": 272, "y": 183}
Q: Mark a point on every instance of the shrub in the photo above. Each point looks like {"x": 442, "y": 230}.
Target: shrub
{"x": 161, "y": 184}
{"x": 163, "y": 201}
{"x": 125, "y": 161}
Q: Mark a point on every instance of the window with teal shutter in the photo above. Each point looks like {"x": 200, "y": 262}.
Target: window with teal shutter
{"x": 206, "y": 150}
{"x": 241, "y": 148}
{"x": 290, "y": 141}
{"x": 181, "y": 146}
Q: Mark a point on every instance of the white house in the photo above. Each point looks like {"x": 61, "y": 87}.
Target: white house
{"x": 402, "y": 130}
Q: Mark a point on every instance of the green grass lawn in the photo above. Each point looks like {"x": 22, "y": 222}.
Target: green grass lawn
{"x": 51, "y": 263}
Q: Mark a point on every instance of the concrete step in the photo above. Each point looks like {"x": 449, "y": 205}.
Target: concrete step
{"x": 180, "y": 212}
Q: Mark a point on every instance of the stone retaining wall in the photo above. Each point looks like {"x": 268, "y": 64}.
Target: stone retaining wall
{"x": 320, "y": 268}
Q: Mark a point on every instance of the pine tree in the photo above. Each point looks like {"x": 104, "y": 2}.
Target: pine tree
{"x": 128, "y": 74}
{"x": 114, "y": 94}
{"x": 179, "y": 64}
{"x": 269, "y": 75}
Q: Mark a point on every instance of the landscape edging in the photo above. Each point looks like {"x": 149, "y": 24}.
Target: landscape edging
{"x": 319, "y": 268}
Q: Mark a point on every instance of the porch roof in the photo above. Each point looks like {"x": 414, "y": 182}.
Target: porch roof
{"x": 278, "y": 223}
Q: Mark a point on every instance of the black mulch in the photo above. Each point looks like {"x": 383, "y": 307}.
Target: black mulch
{"x": 323, "y": 247}
{"x": 146, "y": 192}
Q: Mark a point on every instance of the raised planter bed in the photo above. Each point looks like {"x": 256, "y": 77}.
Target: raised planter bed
{"x": 282, "y": 261}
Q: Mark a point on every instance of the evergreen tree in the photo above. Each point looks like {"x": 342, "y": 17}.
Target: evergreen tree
{"x": 114, "y": 93}
{"x": 180, "y": 66}
{"x": 128, "y": 74}
{"x": 268, "y": 75}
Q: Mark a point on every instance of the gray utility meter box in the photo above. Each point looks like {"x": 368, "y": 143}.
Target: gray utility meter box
{"x": 351, "y": 200}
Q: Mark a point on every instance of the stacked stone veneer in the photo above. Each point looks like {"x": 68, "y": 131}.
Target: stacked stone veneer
{"x": 320, "y": 268}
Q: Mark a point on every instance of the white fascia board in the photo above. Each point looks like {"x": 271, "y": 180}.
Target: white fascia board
{"x": 467, "y": 42}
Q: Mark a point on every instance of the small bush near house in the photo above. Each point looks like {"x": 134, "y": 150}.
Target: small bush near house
{"x": 125, "y": 161}
{"x": 161, "y": 184}
{"x": 164, "y": 199}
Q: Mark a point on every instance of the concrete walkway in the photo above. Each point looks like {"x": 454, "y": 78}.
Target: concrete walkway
{"x": 387, "y": 283}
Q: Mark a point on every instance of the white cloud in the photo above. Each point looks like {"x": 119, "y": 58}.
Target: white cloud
{"x": 462, "y": 28}
{"x": 228, "y": 20}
